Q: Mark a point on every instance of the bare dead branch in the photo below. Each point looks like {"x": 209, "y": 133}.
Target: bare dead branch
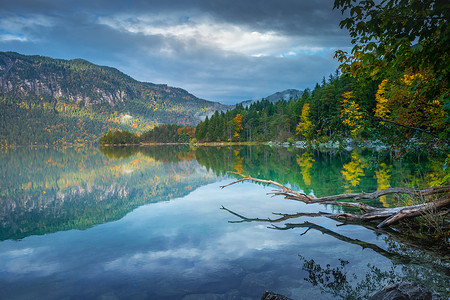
{"x": 416, "y": 210}
{"x": 283, "y": 217}
{"x": 294, "y": 195}
{"x": 283, "y": 188}
{"x": 389, "y": 216}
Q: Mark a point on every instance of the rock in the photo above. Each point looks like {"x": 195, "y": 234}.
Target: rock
{"x": 405, "y": 291}
{"x": 268, "y": 295}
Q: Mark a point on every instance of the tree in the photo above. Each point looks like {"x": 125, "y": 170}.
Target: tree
{"x": 351, "y": 114}
{"x": 397, "y": 38}
{"x": 237, "y": 121}
{"x": 396, "y": 102}
{"x": 305, "y": 126}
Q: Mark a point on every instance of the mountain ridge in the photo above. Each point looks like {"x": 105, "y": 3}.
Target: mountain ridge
{"x": 39, "y": 93}
{"x": 282, "y": 95}
{"x": 45, "y": 62}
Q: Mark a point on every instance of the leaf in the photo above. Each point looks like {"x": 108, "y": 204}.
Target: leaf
{"x": 416, "y": 48}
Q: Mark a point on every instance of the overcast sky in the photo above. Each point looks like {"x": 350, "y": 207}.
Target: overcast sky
{"x": 219, "y": 50}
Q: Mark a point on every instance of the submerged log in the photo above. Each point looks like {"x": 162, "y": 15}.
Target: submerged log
{"x": 387, "y": 216}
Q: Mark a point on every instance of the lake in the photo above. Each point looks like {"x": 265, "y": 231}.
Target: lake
{"x": 150, "y": 223}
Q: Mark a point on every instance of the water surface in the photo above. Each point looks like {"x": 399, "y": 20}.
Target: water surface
{"x": 147, "y": 223}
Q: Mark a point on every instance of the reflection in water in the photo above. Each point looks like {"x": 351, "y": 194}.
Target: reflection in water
{"x": 408, "y": 263}
{"x": 305, "y": 162}
{"x": 337, "y": 282}
{"x": 383, "y": 175}
{"x": 48, "y": 191}
{"x": 342, "y": 284}
{"x": 352, "y": 172}
{"x": 238, "y": 161}
{"x": 185, "y": 248}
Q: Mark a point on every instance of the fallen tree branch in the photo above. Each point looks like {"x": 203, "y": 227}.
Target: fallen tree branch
{"x": 283, "y": 188}
{"x": 283, "y": 217}
{"x": 389, "y": 216}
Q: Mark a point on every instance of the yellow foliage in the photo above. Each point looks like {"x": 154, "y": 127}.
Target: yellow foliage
{"x": 408, "y": 79}
{"x": 305, "y": 126}
{"x": 305, "y": 162}
{"x": 238, "y": 166}
{"x": 236, "y": 136}
{"x": 382, "y": 109}
{"x": 351, "y": 113}
{"x": 382, "y": 176}
{"x": 404, "y": 102}
{"x": 353, "y": 170}
{"x": 238, "y": 162}
{"x": 237, "y": 126}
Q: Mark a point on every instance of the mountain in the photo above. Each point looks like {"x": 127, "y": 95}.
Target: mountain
{"x": 55, "y": 101}
{"x": 284, "y": 95}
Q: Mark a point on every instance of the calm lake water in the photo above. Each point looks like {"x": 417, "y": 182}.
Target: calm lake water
{"x": 148, "y": 223}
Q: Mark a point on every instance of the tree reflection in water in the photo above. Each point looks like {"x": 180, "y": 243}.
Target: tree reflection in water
{"x": 337, "y": 282}
{"x": 409, "y": 261}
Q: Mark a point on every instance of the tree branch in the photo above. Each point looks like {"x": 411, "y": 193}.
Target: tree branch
{"x": 283, "y": 217}
{"x": 389, "y": 216}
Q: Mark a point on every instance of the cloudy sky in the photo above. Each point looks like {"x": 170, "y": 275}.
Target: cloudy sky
{"x": 219, "y": 50}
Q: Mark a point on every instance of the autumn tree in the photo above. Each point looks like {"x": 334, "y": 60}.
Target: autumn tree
{"x": 237, "y": 121}
{"x": 396, "y": 102}
{"x": 398, "y": 40}
{"x": 351, "y": 114}
{"x": 305, "y": 127}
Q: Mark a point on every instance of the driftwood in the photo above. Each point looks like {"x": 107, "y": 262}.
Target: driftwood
{"x": 387, "y": 216}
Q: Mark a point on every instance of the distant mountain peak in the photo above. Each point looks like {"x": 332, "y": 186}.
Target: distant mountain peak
{"x": 283, "y": 95}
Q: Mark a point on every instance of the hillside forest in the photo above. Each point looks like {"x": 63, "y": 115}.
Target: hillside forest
{"x": 46, "y": 101}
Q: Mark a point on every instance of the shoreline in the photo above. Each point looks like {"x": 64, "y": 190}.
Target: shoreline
{"x": 193, "y": 144}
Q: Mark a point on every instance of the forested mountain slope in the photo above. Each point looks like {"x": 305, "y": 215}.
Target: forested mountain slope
{"x": 48, "y": 101}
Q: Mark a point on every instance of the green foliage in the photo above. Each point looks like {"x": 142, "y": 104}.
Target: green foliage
{"x": 397, "y": 38}
{"x": 396, "y": 34}
{"x": 168, "y": 134}
{"x": 160, "y": 134}
{"x": 341, "y": 107}
{"x": 119, "y": 137}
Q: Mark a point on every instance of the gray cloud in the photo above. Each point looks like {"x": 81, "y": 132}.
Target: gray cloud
{"x": 225, "y": 51}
